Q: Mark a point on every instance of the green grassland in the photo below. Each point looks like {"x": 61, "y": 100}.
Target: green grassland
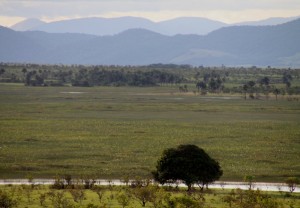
{"x": 112, "y": 132}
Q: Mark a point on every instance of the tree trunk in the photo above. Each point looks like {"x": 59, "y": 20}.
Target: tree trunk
{"x": 189, "y": 188}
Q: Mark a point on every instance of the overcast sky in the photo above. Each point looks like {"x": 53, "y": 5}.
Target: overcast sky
{"x": 229, "y": 11}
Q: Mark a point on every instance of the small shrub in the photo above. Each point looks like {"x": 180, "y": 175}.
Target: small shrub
{"x": 6, "y": 201}
{"x": 58, "y": 183}
{"x": 78, "y": 195}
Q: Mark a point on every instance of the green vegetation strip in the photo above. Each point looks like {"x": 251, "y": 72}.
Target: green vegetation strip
{"x": 36, "y": 196}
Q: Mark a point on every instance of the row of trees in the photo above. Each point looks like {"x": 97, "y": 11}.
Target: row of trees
{"x": 263, "y": 85}
{"x": 99, "y": 77}
{"x": 213, "y": 83}
{"x": 249, "y": 81}
{"x": 140, "y": 196}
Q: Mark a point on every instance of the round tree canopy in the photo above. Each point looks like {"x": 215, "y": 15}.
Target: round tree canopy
{"x": 187, "y": 163}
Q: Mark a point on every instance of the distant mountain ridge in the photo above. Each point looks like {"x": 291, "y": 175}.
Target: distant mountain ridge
{"x": 235, "y": 45}
{"x": 113, "y": 26}
{"x": 27, "y": 24}
{"x": 269, "y": 21}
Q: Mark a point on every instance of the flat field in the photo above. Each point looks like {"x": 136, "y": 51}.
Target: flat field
{"x": 112, "y": 132}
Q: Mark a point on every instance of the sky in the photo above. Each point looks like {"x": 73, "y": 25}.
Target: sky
{"x": 228, "y": 11}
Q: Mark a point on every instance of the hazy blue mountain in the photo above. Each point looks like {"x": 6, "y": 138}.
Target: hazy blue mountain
{"x": 112, "y": 26}
{"x": 269, "y": 21}
{"x": 16, "y": 47}
{"x": 53, "y": 40}
{"x": 135, "y": 46}
{"x": 257, "y": 44}
{"x": 188, "y": 25}
{"x": 235, "y": 45}
{"x": 27, "y": 24}
{"x": 95, "y": 25}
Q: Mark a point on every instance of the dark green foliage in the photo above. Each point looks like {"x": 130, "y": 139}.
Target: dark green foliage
{"x": 212, "y": 80}
{"x": 2, "y": 71}
{"x": 102, "y": 77}
{"x": 264, "y": 81}
{"x": 6, "y": 201}
{"x": 287, "y": 78}
{"x": 207, "y": 79}
{"x": 201, "y": 85}
{"x": 68, "y": 179}
{"x": 59, "y": 183}
{"x": 276, "y": 92}
{"x": 89, "y": 183}
{"x": 188, "y": 163}
{"x": 249, "y": 88}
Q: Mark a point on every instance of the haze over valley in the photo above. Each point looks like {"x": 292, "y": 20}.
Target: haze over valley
{"x": 138, "y": 41}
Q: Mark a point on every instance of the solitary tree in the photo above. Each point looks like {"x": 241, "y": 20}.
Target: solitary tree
{"x": 292, "y": 183}
{"x": 264, "y": 81}
{"x": 287, "y": 79}
{"x": 265, "y": 86}
{"x": 123, "y": 199}
{"x": 2, "y": 71}
{"x": 143, "y": 194}
{"x": 201, "y": 85}
{"x": 276, "y": 91}
{"x": 249, "y": 179}
{"x": 189, "y": 164}
{"x": 249, "y": 88}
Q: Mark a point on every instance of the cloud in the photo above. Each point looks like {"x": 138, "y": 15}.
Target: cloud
{"x": 9, "y": 21}
{"x": 89, "y": 7}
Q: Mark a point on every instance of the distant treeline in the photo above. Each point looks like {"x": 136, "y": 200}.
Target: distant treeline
{"x": 86, "y": 76}
{"x": 103, "y": 77}
{"x": 247, "y": 80}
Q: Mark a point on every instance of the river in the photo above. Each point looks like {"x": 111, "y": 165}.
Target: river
{"x": 216, "y": 185}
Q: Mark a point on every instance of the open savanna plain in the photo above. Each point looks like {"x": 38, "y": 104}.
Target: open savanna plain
{"x": 113, "y": 132}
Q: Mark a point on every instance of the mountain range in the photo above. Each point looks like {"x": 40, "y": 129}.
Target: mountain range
{"x": 113, "y": 26}
{"x": 276, "y": 45}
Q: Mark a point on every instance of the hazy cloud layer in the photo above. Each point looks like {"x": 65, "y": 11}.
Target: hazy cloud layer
{"x": 228, "y": 10}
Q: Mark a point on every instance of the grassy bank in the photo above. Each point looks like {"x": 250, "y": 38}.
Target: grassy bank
{"x": 115, "y": 197}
